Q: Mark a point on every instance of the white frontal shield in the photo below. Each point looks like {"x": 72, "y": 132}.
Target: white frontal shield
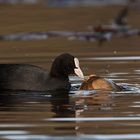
{"x": 78, "y": 70}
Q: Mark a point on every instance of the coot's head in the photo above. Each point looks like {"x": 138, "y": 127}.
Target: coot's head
{"x": 64, "y": 65}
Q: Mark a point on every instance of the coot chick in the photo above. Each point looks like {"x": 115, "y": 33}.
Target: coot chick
{"x": 99, "y": 83}
{"x": 33, "y": 78}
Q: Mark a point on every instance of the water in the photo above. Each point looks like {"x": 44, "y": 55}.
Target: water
{"x": 78, "y": 114}
{"x": 60, "y": 3}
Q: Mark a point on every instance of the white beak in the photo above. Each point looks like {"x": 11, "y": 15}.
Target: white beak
{"x": 78, "y": 70}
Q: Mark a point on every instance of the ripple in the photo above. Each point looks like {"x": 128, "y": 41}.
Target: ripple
{"x": 122, "y": 58}
{"x": 27, "y": 137}
{"x": 16, "y": 125}
{"x": 12, "y": 132}
{"x": 79, "y": 137}
{"x": 95, "y": 119}
{"x": 113, "y": 137}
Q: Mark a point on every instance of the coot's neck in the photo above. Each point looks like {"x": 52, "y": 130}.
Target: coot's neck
{"x": 58, "y": 73}
{"x": 60, "y": 76}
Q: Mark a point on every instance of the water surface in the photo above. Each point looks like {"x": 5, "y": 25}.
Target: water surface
{"x": 94, "y": 114}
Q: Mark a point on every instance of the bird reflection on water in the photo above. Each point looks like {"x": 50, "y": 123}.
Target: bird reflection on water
{"x": 62, "y": 103}
{"x": 34, "y": 109}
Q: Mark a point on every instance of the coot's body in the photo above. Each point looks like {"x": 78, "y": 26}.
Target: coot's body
{"x": 29, "y": 77}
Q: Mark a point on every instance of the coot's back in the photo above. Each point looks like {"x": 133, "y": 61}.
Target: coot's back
{"x": 22, "y": 77}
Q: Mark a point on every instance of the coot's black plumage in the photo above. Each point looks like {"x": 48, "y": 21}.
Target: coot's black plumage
{"x": 29, "y": 77}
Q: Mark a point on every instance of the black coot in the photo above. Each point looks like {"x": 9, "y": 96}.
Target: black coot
{"x": 33, "y": 78}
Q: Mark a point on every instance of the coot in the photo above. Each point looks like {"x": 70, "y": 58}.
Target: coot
{"x": 34, "y": 78}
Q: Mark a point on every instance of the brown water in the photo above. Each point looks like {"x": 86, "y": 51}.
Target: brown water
{"x": 78, "y": 114}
